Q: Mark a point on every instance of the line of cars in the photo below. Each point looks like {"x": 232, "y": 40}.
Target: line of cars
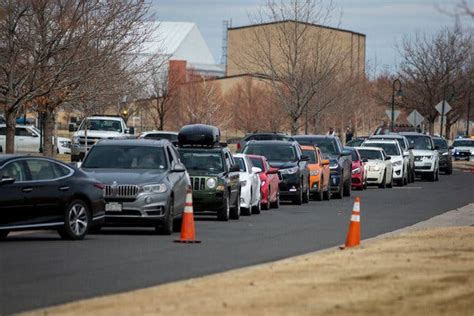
{"x": 143, "y": 181}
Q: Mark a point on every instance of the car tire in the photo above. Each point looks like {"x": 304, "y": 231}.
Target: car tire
{"x": 265, "y": 206}
{"x": 256, "y": 209}
{"x": 298, "y": 200}
{"x": 306, "y": 194}
{"x": 383, "y": 184}
{"x": 167, "y": 226}
{"x": 276, "y": 203}
{"x": 449, "y": 169}
{"x": 235, "y": 211}
{"x": 76, "y": 221}
{"x": 364, "y": 187}
{"x": 347, "y": 188}
{"x": 224, "y": 213}
{"x": 327, "y": 195}
{"x": 318, "y": 196}
{"x": 437, "y": 175}
{"x": 4, "y": 234}
{"x": 390, "y": 184}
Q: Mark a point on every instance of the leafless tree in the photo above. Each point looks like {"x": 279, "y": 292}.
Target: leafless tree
{"x": 55, "y": 47}
{"x": 430, "y": 65}
{"x": 298, "y": 57}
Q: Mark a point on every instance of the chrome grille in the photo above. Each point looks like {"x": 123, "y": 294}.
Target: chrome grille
{"x": 198, "y": 183}
{"x": 90, "y": 140}
{"x": 121, "y": 191}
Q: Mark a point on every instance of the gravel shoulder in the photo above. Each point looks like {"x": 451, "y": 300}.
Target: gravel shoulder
{"x": 425, "y": 269}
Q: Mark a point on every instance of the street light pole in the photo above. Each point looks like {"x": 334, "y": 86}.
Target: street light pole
{"x": 399, "y": 91}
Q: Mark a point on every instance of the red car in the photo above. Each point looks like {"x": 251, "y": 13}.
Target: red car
{"x": 270, "y": 182}
{"x": 359, "y": 176}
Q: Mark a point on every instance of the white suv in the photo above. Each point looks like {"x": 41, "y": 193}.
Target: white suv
{"x": 95, "y": 128}
{"x": 28, "y": 140}
{"x": 399, "y": 163}
{"x": 426, "y": 155}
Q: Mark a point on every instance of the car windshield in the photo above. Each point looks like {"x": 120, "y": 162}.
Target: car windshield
{"x": 241, "y": 163}
{"x": 326, "y": 145}
{"x": 390, "y": 149}
{"x": 441, "y": 143}
{"x": 203, "y": 160}
{"x": 463, "y": 143}
{"x": 102, "y": 125}
{"x": 355, "y": 142}
{"x": 420, "y": 142}
{"x": 398, "y": 139}
{"x": 257, "y": 162}
{"x": 370, "y": 154}
{"x": 354, "y": 155}
{"x": 311, "y": 154}
{"x": 126, "y": 157}
{"x": 170, "y": 137}
{"x": 273, "y": 152}
{"x": 267, "y": 137}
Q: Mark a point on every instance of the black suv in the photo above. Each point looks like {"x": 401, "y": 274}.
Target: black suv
{"x": 213, "y": 172}
{"x": 292, "y": 164}
{"x": 340, "y": 161}
{"x": 263, "y": 136}
{"x": 445, "y": 155}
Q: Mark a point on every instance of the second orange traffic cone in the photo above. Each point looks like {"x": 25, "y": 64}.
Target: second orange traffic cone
{"x": 188, "y": 233}
{"x": 353, "y": 235}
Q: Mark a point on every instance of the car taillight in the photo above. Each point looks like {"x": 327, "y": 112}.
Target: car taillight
{"x": 99, "y": 186}
{"x": 238, "y": 146}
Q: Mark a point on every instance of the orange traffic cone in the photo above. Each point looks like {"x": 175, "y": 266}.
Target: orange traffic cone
{"x": 188, "y": 233}
{"x": 353, "y": 235}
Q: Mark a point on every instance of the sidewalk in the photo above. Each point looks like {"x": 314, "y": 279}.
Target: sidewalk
{"x": 426, "y": 269}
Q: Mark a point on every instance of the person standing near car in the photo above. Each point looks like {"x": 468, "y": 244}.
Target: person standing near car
{"x": 331, "y": 132}
{"x": 349, "y": 134}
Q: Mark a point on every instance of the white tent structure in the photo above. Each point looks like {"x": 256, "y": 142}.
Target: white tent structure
{"x": 183, "y": 41}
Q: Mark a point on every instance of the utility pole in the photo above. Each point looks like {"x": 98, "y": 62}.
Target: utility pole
{"x": 468, "y": 113}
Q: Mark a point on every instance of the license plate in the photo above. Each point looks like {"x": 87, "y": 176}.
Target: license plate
{"x": 113, "y": 207}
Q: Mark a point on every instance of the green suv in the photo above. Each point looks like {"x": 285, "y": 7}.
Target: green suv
{"x": 213, "y": 172}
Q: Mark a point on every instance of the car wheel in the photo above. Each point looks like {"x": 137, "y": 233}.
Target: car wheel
{"x": 347, "y": 188}
{"x": 235, "y": 211}
{"x": 223, "y": 214}
{"x": 318, "y": 196}
{"x": 306, "y": 194}
{"x": 437, "y": 175}
{"x": 166, "y": 228}
{"x": 76, "y": 221}
{"x": 265, "y": 206}
{"x": 327, "y": 194}
{"x": 276, "y": 204}
{"x": 364, "y": 187}
{"x": 390, "y": 184}
{"x": 298, "y": 200}
{"x": 3, "y": 234}
{"x": 449, "y": 169}
{"x": 383, "y": 184}
{"x": 256, "y": 209}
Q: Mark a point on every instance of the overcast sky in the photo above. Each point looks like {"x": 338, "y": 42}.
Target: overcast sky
{"x": 384, "y": 22}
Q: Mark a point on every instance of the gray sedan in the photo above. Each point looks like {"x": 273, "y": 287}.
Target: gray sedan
{"x": 145, "y": 182}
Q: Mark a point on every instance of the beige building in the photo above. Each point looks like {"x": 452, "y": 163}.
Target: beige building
{"x": 251, "y": 47}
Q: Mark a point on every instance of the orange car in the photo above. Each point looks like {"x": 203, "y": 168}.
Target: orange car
{"x": 319, "y": 173}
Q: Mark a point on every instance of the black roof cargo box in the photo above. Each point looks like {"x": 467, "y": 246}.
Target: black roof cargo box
{"x": 199, "y": 135}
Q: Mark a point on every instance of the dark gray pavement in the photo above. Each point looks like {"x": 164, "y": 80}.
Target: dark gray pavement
{"x": 39, "y": 269}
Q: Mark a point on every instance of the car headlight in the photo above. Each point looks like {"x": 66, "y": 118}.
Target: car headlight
{"x": 263, "y": 183}
{"x": 220, "y": 188}
{"x": 65, "y": 144}
{"x": 333, "y": 166}
{"x": 374, "y": 168}
{"x": 292, "y": 170}
{"x": 154, "y": 188}
{"x": 397, "y": 163}
{"x": 428, "y": 157}
{"x": 243, "y": 183}
{"x": 211, "y": 183}
{"x": 314, "y": 172}
{"x": 446, "y": 153}
{"x": 356, "y": 171}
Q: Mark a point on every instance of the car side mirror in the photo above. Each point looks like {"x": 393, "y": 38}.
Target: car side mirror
{"x": 234, "y": 168}
{"x": 7, "y": 180}
{"x": 388, "y": 158}
{"x": 131, "y": 130}
{"x": 272, "y": 171}
{"x": 304, "y": 158}
{"x": 325, "y": 162}
{"x": 436, "y": 147}
{"x": 72, "y": 127}
{"x": 346, "y": 152}
{"x": 178, "y": 168}
{"x": 256, "y": 170}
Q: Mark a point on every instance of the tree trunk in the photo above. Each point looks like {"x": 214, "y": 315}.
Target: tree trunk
{"x": 48, "y": 128}
{"x": 448, "y": 129}
{"x": 294, "y": 126}
{"x": 431, "y": 125}
{"x": 10, "y": 119}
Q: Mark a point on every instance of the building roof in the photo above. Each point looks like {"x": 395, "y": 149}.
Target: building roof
{"x": 285, "y": 21}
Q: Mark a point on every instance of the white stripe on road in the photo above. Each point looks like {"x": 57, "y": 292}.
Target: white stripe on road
{"x": 407, "y": 188}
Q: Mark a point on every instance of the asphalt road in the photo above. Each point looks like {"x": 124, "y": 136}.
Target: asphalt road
{"x": 39, "y": 269}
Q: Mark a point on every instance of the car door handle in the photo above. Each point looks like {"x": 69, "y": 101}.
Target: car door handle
{"x": 27, "y": 190}
{"x": 64, "y": 188}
